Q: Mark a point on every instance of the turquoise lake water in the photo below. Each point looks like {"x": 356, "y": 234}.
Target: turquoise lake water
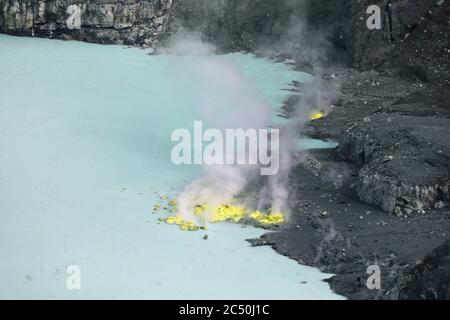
{"x": 85, "y": 144}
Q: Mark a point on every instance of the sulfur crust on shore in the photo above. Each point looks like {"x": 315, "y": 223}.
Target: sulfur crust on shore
{"x": 223, "y": 213}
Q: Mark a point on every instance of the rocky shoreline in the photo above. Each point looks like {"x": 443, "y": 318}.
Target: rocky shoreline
{"x": 380, "y": 198}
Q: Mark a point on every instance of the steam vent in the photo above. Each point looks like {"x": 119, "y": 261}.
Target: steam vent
{"x": 225, "y": 150}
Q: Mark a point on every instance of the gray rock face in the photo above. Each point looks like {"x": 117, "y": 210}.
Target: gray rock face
{"x": 106, "y": 21}
{"x": 345, "y": 24}
{"x": 333, "y": 30}
{"x": 405, "y": 161}
{"x": 246, "y": 24}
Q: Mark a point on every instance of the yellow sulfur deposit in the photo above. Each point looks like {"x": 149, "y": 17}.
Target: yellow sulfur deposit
{"x": 270, "y": 219}
{"x": 183, "y": 224}
{"x": 190, "y": 226}
{"x": 228, "y": 213}
{"x": 317, "y": 115}
{"x": 257, "y": 215}
{"x": 224, "y": 213}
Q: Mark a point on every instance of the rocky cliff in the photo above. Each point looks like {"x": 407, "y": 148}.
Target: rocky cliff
{"x": 336, "y": 29}
{"x": 131, "y": 22}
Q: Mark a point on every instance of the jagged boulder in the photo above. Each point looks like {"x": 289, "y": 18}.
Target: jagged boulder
{"x": 404, "y": 161}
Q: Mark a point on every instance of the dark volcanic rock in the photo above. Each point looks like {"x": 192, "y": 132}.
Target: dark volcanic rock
{"x": 334, "y": 231}
{"x": 405, "y": 161}
{"x": 398, "y": 132}
{"x": 407, "y": 26}
{"x": 430, "y": 279}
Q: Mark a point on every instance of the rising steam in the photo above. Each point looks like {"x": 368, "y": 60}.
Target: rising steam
{"x": 226, "y": 99}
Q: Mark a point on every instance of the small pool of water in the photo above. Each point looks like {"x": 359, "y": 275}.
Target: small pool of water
{"x": 308, "y": 143}
{"x": 84, "y": 139}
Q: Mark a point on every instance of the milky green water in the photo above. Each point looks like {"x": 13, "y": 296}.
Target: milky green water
{"x": 84, "y": 140}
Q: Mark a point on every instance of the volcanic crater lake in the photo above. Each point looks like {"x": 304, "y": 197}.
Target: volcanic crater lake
{"x": 85, "y": 154}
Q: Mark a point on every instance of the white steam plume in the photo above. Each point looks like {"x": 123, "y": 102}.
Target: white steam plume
{"x": 225, "y": 99}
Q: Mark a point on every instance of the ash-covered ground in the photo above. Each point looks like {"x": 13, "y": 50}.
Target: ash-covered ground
{"x": 382, "y": 197}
